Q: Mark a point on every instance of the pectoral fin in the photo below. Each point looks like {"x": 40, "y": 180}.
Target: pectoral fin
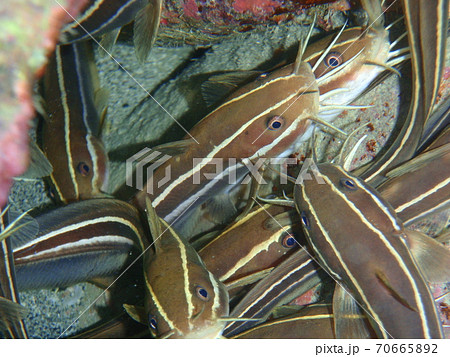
{"x": 174, "y": 148}
{"x": 39, "y": 165}
{"x": 101, "y": 98}
{"x": 432, "y": 258}
{"x": 103, "y": 282}
{"x": 108, "y": 41}
{"x": 10, "y": 313}
{"x": 22, "y": 228}
{"x": 285, "y": 310}
{"x": 384, "y": 281}
{"x": 349, "y": 320}
{"x": 220, "y": 208}
{"x": 137, "y": 313}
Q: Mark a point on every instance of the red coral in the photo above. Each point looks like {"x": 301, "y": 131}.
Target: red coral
{"x": 256, "y": 7}
{"x": 191, "y": 10}
{"x": 14, "y": 142}
{"x": 14, "y": 135}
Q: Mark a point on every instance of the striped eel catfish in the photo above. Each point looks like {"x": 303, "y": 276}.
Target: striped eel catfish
{"x": 253, "y": 306}
{"x": 437, "y": 128}
{"x": 99, "y": 17}
{"x": 183, "y": 299}
{"x": 264, "y": 118}
{"x": 362, "y": 244}
{"x": 432, "y": 41}
{"x": 420, "y": 186}
{"x": 427, "y": 47}
{"x": 313, "y": 321}
{"x": 293, "y": 277}
{"x": 71, "y": 124}
{"x": 11, "y": 312}
{"x": 347, "y": 63}
{"x": 79, "y": 242}
{"x": 263, "y": 247}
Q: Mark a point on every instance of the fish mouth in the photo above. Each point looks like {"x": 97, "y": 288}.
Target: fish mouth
{"x": 209, "y": 328}
{"x": 197, "y": 315}
{"x": 206, "y": 332}
{"x": 167, "y": 334}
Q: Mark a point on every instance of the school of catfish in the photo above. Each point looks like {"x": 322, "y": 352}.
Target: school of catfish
{"x": 219, "y": 259}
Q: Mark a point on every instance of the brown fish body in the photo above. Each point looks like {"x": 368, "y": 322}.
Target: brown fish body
{"x": 78, "y": 242}
{"x": 100, "y": 17}
{"x": 427, "y": 47}
{"x": 316, "y": 322}
{"x": 263, "y": 119}
{"x": 183, "y": 299}
{"x": 313, "y": 321}
{"x": 360, "y": 242}
{"x": 422, "y": 189}
{"x": 252, "y": 244}
{"x": 72, "y": 123}
{"x": 291, "y": 278}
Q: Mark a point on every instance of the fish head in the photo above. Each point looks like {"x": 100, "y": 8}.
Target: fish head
{"x": 350, "y": 64}
{"x": 319, "y": 198}
{"x": 90, "y": 167}
{"x": 281, "y": 106}
{"x": 184, "y": 300}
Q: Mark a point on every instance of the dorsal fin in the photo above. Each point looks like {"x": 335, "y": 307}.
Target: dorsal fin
{"x": 302, "y": 46}
{"x": 108, "y": 41}
{"x": 374, "y": 13}
{"x": 145, "y": 30}
{"x": 154, "y": 223}
{"x": 219, "y": 86}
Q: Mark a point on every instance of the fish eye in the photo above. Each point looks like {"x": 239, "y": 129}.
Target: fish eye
{"x": 275, "y": 122}
{"x": 83, "y": 168}
{"x": 202, "y": 293}
{"x": 304, "y": 219}
{"x": 152, "y": 322}
{"x": 333, "y": 60}
{"x": 348, "y": 183}
{"x": 288, "y": 241}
